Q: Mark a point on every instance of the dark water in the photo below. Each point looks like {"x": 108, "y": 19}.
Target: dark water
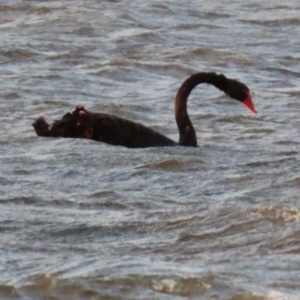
{"x": 84, "y": 220}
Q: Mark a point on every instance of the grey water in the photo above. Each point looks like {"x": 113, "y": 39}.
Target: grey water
{"x": 85, "y": 220}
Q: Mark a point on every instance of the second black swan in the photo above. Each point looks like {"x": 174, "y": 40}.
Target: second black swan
{"x": 114, "y": 130}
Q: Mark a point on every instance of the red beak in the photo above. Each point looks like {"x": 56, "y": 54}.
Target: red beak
{"x": 249, "y": 104}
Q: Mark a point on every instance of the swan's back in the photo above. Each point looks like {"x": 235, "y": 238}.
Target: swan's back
{"x": 114, "y": 130}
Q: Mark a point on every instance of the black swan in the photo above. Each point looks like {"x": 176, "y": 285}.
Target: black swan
{"x": 113, "y": 130}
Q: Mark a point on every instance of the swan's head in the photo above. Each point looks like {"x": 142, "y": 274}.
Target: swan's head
{"x": 239, "y": 91}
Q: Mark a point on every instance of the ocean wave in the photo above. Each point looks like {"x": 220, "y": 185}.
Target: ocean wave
{"x": 270, "y": 295}
{"x": 20, "y": 200}
{"x": 170, "y": 164}
{"x": 183, "y": 287}
{"x": 54, "y": 286}
{"x": 14, "y": 7}
{"x": 274, "y": 23}
{"x": 278, "y": 214}
{"x": 85, "y": 31}
{"x": 215, "y": 56}
{"x": 18, "y": 55}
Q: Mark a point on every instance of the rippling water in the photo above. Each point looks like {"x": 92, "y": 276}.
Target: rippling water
{"x": 85, "y": 220}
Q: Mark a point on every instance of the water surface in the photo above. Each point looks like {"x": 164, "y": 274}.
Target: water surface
{"x": 85, "y": 220}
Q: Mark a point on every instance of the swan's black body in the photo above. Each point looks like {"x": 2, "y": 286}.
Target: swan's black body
{"x": 113, "y": 130}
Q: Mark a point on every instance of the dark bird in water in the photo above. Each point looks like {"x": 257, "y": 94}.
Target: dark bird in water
{"x": 113, "y": 130}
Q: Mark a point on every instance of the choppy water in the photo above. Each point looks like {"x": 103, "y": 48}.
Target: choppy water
{"x": 84, "y": 220}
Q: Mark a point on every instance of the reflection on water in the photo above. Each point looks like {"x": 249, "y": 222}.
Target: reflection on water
{"x": 84, "y": 220}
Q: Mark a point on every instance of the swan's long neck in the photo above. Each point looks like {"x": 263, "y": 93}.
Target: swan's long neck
{"x": 187, "y": 134}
